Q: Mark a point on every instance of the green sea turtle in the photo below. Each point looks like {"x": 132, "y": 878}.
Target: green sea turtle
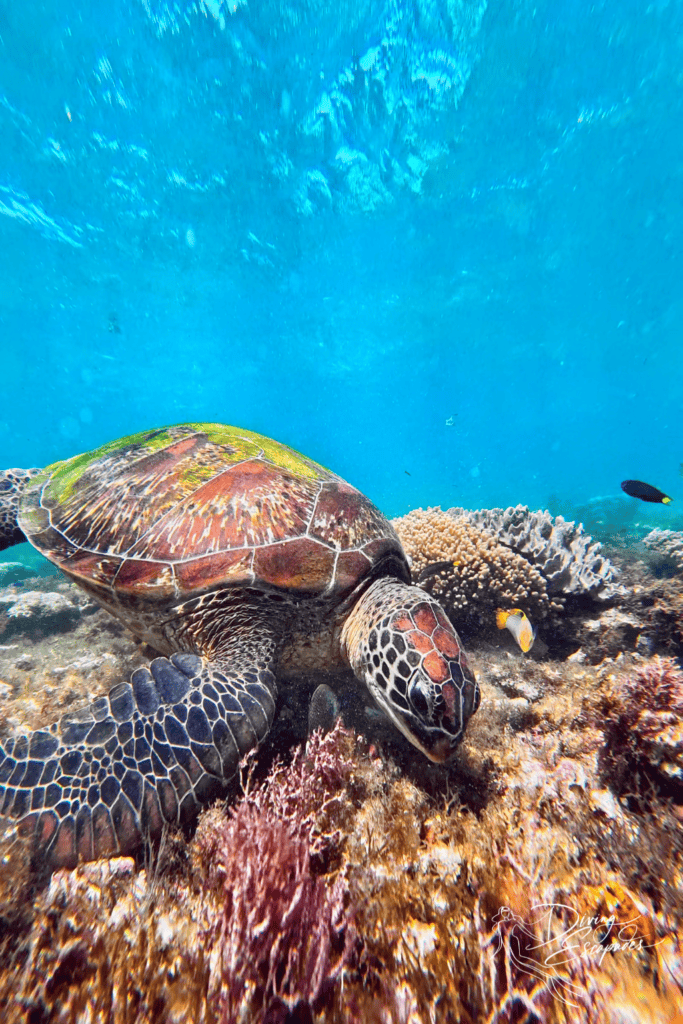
{"x": 230, "y": 554}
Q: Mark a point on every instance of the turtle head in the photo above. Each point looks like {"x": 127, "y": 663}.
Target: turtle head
{"x": 401, "y": 644}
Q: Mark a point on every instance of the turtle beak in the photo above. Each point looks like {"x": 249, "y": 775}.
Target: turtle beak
{"x": 441, "y": 752}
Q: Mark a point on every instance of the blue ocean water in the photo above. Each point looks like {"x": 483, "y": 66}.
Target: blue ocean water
{"x": 435, "y": 245}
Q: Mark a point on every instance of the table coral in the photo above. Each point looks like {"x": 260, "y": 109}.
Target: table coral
{"x": 562, "y": 552}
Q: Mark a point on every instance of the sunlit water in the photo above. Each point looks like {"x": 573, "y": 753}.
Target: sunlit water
{"x": 434, "y": 245}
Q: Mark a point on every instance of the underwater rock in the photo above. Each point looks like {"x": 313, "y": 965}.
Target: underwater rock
{"x": 562, "y": 552}
{"x": 25, "y": 662}
{"x": 663, "y": 606}
{"x": 613, "y": 632}
{"x": 668, "y": 544}
{"x": 512, "y": 685}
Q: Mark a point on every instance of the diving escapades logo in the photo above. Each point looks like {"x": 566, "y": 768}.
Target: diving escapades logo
{"x": 544, "y": 944}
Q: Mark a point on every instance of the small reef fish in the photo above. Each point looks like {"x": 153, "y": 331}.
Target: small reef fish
{"x": 646, "y": 492}
{"x": 518, "y": 624}
{"x": 434, "y": 568}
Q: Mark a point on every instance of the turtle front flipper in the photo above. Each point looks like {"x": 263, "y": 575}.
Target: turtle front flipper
{"x": 12, "y": 483}
{"x": 152, "y": 752}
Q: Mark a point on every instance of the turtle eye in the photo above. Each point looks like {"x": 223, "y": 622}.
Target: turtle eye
{"x": 419, "y": 699}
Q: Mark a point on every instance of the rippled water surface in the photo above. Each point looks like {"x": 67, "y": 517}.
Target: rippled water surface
{"x": 435, "y": 245}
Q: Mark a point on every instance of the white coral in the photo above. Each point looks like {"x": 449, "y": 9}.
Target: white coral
{"x": 564, "y": 554}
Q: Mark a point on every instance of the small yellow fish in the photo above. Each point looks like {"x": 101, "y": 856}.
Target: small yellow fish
{"x": 518, "y": 624}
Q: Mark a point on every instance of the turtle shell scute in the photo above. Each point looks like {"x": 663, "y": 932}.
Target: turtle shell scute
{"x": 199, "y": 506}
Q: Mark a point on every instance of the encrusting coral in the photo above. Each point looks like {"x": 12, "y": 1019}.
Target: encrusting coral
{"x": 483, "y": 574}
{"x": 562, "y": 552}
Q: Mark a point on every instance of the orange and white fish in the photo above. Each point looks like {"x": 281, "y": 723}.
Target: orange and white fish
{"x": 518, "y": 624}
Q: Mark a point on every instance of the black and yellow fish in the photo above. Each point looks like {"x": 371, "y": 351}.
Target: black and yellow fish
{"x": 646, "y": 492}
{"x": 518, "y": 624}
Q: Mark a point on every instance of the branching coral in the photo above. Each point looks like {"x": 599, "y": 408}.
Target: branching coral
{"x": 646, "y": 714}
{"x": 483, "y": 574}
{"x": 564, "y": 554}
{"x": 668, "y": 543}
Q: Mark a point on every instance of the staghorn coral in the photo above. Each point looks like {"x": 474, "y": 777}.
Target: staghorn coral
{"x": 563, "y": 553}
{"x": 668, "y": 544}
{"x": 645, "y": 711}
{"x": 484, "y": 575}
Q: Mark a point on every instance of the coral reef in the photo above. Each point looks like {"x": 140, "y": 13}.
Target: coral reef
{"x": 357, "y": 883}
{"x": 248, "y": 927}
{"x": 13, "y": 572}
{"x": 476, "y": 562}
{"x": 514, "y": 885}
{"x": 52, "y": 611}
{"x": 562, "y": 552}
{"x": 668, "y": 544}
{"x": 482, "y": 575}
{"x": 645, "y": 711}
{"x": 551, "y": 902}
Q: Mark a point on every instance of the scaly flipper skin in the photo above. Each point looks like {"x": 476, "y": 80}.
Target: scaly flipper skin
{"x": 153, "y": 751}
{"x": 12, "y": 483}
